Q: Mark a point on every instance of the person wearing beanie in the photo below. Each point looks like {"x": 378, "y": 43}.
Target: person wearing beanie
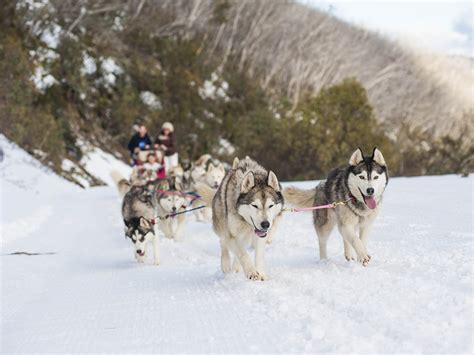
{"x": 166, "y": 141}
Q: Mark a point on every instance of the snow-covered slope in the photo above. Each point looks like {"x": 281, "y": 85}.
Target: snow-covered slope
{"x": 91, "y": 296}
{"x": 100, "y": 164}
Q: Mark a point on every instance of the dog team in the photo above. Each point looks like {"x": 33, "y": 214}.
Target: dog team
{"x": 246, "y": 204}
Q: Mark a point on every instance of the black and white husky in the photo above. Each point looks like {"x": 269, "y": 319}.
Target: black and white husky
{"x": 245, "y": 210}
{"x": 362, "y": 184}
{"x": 142, "y": 207}
{"x": 138, "y": 213}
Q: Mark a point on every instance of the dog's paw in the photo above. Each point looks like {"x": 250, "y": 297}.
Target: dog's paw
{"x": 156, "y": 262}
{"x": 262, "y": 276}
{"x": 226, "y": 266}
{"x": 349, "y": 258}
{"x": 254, "y": 275}
{"x": 365, "y": 260}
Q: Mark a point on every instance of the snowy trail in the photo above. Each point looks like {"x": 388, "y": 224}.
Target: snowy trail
{"x": 416, "y": 295}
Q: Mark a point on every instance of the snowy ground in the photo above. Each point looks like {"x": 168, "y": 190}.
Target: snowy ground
{"x": 91, "y": 296}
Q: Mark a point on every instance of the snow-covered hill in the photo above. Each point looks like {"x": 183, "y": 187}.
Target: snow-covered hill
{"x": 91, "y": 295}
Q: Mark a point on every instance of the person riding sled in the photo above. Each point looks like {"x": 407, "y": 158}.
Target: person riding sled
{"x": 154, "y": 166}
{"x": 139, "y": 141}
{"x": 166, "y": 141}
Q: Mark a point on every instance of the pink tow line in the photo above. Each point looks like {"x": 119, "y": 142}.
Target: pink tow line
{"x": 320, "y": 207}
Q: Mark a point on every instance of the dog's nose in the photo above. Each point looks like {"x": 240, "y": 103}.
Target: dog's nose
{"x": 265, "y": 224}
{"x": 139, "y": 251}
{"x": 370, "y": 191}
{"x": 173, "y": 209}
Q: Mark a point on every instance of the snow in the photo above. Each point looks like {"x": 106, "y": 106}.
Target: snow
{"x": 89, "y": 65}
{"x": 110, "y": 70}
{"x": 32, "y": 4}
{"x": 91, "y": 296}
{"x": 118, "y": 25}
{"x": 225, "y": 147}
{"x": 45, "y": 55}
{"x": 22, "y": 178}
{"x": 100, "y": 164}
{"x": 42, "y": 79}
{"x": 151, "y": 100}
{"x": 214, "y": 88}
{"x": 51, "y": 36}
{"x": 75, "y": 172}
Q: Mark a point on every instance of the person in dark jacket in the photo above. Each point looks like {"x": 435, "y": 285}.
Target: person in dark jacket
{"x": 166, "y": 141}
{"x": 139, "y": 141}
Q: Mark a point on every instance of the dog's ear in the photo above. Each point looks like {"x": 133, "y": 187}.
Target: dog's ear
{"x": 235, "y": 163}
{"x": 144, "y": 223}
{"x": 210, "y": 168}
{"x": 272, "y": 181}
{"x": 221, "y": 167}
{"x": 378, "y": 157}
{"x": 357, "y": 157}
{"x": 177, "y": 185}
{"x": 126, "y": 223}
{"x": 165, "y": 185}
{"x": 247, "y": 183}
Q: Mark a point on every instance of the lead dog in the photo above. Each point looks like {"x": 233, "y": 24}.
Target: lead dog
{"x": 245, "y": 208}
{"x": 362, "y": 184}
{"x": 138, "y": 213}
{"x": 140, "y": 206}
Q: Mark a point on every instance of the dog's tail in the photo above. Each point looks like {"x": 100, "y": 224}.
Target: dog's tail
{"x": 299, "y": 197}
{"x": 203, "y": 159}
{"x": 206, "y": 193}
{"x": 123, "y": 185}
{"x": 235, "y": 163}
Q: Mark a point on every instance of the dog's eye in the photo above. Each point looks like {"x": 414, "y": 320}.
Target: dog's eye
{"x": 376, "y": 177}
{"x": 271, "y": 206}
{"x": 361, "y": 177}
{"x": 254, "y": 206}
{"x": 142, "y": 239}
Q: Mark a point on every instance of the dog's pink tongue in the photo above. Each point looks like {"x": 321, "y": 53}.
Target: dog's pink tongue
{"x": 370, "y": 202}
{"x": 260, "y": 233}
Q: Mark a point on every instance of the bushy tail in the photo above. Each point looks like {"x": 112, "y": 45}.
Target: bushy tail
{"x": 203, "y": 159}
{"x": 206, "y": 193}
{"x": 299, "y": 197}
{"x": 123, "y": 185}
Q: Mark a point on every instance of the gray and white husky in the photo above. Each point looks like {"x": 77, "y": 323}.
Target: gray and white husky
{"x": 171, "y": 201}
{"x": 213, "y": 178}
{"x": 245, "y": 209}
{"x": 362, "y": 184}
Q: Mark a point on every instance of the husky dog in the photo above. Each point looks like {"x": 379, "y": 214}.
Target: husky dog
{"x": 213, "y": 177}
{"x": 198, "y": 169}
{"x": 138, "y": 212}
{"x": 362, "y": 184}
{"x": 139, "y": 209}
{"x": 245, "y": 208}
{"x": 171, "y": 201}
